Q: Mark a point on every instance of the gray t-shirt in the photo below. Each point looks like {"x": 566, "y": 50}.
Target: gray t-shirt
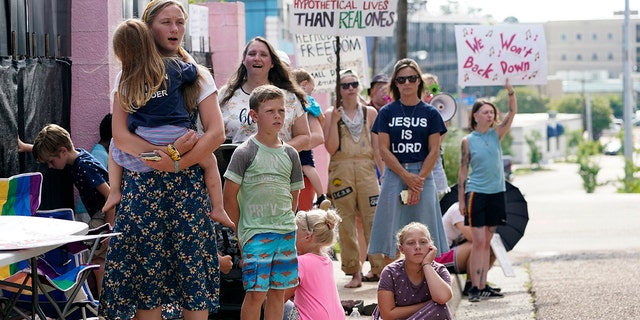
{"x": 266, "y": 176}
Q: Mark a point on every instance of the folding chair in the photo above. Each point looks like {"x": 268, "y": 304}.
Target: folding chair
{"x": 61, "y": 273}
{"x": 19, "y": 196}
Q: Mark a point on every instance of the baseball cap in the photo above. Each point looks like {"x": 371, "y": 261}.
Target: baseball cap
{"x": 380, "y": 77}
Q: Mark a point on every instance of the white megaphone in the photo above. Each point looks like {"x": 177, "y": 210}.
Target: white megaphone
{"x": 445, "y": 104}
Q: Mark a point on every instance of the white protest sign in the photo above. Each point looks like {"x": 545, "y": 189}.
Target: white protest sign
{"x": 344, "y": 17}
{"x": 199, "y": 28}
{"x": 317, "y": 55}
{"x": 488, "y": 55}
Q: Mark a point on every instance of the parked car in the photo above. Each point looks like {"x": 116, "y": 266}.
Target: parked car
{"x": 507, "y": 161}
{"x": 613, "y": 147}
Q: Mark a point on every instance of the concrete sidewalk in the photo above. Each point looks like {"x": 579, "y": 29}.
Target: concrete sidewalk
{"x": 516, "y": 304}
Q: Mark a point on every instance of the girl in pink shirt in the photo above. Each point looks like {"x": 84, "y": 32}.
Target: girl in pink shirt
{"x": 316, "y": 297}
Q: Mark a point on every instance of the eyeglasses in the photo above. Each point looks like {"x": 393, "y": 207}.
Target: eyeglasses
{"x": 412, "y": 79}
{"x": 346, "y": 85}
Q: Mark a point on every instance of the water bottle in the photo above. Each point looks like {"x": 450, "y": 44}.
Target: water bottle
{"x": 355, "y": 313}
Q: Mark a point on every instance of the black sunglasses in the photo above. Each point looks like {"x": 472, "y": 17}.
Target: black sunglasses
{"x": 412, "y": 79}
{"x": 346, "y": 85}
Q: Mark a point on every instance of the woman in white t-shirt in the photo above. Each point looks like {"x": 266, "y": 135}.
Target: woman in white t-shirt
{"x": 262, "y": 65}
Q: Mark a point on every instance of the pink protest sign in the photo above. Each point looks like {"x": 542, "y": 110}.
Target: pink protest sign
{"x": 488, "y": 55}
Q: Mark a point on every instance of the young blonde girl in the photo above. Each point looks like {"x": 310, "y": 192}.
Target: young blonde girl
{"x": 151, "y": 92}
{"x": 414, "y": 287}
{"x": 316, "y": 296}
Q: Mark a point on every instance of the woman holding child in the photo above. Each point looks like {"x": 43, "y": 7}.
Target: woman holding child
{"x": 165, "y": 254}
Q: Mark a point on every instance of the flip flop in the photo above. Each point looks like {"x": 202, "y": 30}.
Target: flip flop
{"x": 373, "y": 278}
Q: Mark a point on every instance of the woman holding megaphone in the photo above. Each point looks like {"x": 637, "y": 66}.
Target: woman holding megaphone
{"x": 446, "y": 105}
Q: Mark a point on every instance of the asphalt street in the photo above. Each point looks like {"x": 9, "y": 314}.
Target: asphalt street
{"x": 578, "y": 259}
{"x": 580, "y": 254}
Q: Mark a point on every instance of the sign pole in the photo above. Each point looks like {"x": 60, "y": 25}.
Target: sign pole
{"x": 338, "y": 97}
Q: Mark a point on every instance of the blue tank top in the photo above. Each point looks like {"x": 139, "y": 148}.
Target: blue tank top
{"x": 485, "y": 161}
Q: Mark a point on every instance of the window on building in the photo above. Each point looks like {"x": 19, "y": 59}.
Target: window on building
{"x": 594, "y": 36}
{"x": 579, "y": 57}
{"x": 563, "y": 37}
{"x": 609, "y": 36}
{"x": 579, "y": 36}
{"x": 594, "y": 57}
{"x": 563, "y": 57}
{"x": 610, "y": 57}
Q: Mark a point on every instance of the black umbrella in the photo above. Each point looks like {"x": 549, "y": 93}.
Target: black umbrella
{"x": 517, "y": 213}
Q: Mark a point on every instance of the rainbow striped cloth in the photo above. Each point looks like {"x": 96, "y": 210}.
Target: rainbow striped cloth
{"x": 19, "y": 196}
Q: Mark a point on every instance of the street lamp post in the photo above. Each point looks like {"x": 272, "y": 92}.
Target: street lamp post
{"x": 627, "y": 88}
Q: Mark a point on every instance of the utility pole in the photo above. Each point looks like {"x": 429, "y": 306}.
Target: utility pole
{"x": 627, "y": 88}
{"x": 401, "y": 29}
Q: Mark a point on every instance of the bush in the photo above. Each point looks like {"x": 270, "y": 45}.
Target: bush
{"x": 451, "y": 156}
{"x": 589, "y": 173}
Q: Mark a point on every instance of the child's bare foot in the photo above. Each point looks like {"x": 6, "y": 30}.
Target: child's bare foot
{"x": 221, "y": 216}
{"x": 113, "y": 199}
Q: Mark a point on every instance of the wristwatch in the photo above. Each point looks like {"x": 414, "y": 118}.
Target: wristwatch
{"x": 173, "y": 152}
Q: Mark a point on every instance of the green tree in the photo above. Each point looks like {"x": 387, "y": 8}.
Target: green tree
{"x": 529, "y": 100}
{"x": 615, "y": 100}
{"x": 570, "y": 103}
{"x": 451, "y": 155}
{"x": 600, "y": 111}
{"x": 535, "y": 156}
{"x": 600, "y": 115}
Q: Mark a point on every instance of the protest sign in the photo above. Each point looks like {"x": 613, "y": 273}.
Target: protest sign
{"x": 488, "y": 55}
{"x": 344, "y": 17}
{"x": 317, "y": 55}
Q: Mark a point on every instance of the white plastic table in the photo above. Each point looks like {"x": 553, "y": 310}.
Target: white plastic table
{"x": 27, "y": 237}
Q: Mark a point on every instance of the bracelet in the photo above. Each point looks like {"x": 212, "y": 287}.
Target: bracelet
{"x": 176, "y": 166}
{"x": 173, "y": 152}
{"x": 426, "y": 264}
{"x": 512, "y": 93}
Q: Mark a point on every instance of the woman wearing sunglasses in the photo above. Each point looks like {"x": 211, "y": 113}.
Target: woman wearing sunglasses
{"x": 353, "y": 183}
{"x": 409, "y": 133}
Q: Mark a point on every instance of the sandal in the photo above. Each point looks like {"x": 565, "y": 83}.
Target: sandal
{"x": 373, "y": 278}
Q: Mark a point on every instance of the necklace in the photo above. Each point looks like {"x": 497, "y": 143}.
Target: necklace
{"x": 412, "y": 112}
{"x": 482, "y": 137}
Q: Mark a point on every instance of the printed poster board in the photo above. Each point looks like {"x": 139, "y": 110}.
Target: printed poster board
{"x": 317, "y": 55}
{"x": 344, "y": 17}
{"x": 489, "y": 54}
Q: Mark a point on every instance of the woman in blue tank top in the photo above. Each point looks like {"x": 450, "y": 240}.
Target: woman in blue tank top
{"x": 481, "y": 193}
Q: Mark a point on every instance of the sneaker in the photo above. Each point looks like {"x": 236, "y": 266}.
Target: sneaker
{"x": 496, "y": 289}
{"x": 319, "y": 201}
{"x": 488, "y": 293}
{"x": 467, "y": 286}
{"x": 474, "y": 294}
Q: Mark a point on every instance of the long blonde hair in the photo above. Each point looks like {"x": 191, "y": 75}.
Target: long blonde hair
{"x": 143, "y": 68}
{"x": 190, "y": 91}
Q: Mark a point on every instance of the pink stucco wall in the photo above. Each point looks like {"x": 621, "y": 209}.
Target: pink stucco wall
{"x": 226, "y": 33}
{"x": 93, "y": 66}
